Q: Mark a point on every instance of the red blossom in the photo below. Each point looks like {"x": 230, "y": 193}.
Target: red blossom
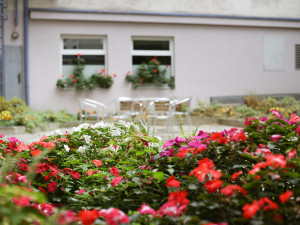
{"x": 116, "y": 181}
{"x": 275, "y": 137}
{"x": 88, "y": 217}
{"x": 114, "y": 171}
{"x": 249, "y": 210}
{"x": 219, "y": 138}
{"x": 172, "y": 182}
{"x": 205, "y": 167}
{"x": 213, "y": 185}
{"x": 21, "y": 201}
{"x": 52, "y": 186}
{"x": 97, "y": 162}
{"x": 36, "y": 152}
{"x": 267, "y": 204}
{"x": 291, "y": 154}
{"x": 285, "y": 196}
{"x": 235, "y": 175}
{"x": 71, "y": 76}
{"x": 74, "y": 80}
{"x": 230, "y": 190}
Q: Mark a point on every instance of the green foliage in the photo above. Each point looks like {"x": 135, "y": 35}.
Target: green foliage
{"x": 260, "y": 162}
{"x": 246, "y": 111}
{"x": 252, "y": 100}
{"x": 80, "y": 82}
{"x": 150, "y": 72}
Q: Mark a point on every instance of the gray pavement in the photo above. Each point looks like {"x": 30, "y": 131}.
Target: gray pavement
{"x": 159, "y": 131}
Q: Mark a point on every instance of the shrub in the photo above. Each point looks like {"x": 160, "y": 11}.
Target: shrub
{"x": 238, "y": 176}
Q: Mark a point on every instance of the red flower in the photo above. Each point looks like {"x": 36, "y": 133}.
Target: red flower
{"x": 155, "y": 70}
{"x": 22, "y": 201}
{"x": 213, "y": 185}
{"x": 79, "y": 54}
{"x": 153, "y": 60}
{"x": 235, "y": 175}
{"x": 36, "y": 152}
{"x": 107, "y": 75}
{"x": 43, "y": 190}
{"x": 114, "y": 171}
{"x": 116, "y": 181}
{"x": 250, "y": 209}
{"x": 205, "y": 167}
{"x": 71, "y": 75}
{"x": 285, "y": 196}
{"x": 52, "y": 186}
{"x": 219, "y": 137}
{"x": 172, "y": 182}
{"x": 88, "y": 217}
{"x": 267, "y": 204}
{"x": 230, "y": 190}
{"x": 97, "y": 162}
{"x": 115, "y": 75}
{"x": 74, "y": 80}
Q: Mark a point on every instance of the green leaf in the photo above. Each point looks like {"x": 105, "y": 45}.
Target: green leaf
{"x": 139, "y": 153}
{"x": 159, "y": 176}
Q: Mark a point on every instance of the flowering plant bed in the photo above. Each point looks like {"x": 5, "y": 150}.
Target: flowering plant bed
{"x": 117, "y": 174}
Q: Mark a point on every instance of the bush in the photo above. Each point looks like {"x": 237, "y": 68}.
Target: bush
{"x": 247, "y": 176}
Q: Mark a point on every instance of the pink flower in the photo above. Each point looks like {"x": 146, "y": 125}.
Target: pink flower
{"x": 66, "y": 217}
{"x": 294, "y": 118}
{"x": 116, "y": 181}
{"x": 80, "y": 191}
{"x": 291, "y": 154}
{"x": 276, "y": 113}
{"x": 275, "y": 137}
{"x": 114, "y": 216}
{"x": 145, "y": 209}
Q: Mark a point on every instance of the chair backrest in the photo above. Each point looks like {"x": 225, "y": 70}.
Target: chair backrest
{"x": 162, "y": 105}
{"x": 92, "y": 105}
{"x": 182, "y": 105}
{"x": 124, "y": 105}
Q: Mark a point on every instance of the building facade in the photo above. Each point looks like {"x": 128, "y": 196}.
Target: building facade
{"x": 210, "y": 48}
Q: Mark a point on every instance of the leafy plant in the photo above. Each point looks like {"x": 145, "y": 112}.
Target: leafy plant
{"x": 150, "y": 72}
{"x": 81, "y": 82}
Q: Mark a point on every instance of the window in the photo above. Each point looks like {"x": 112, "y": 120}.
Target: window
{"x": 145, "y": 49}
{"x": 297, "y": 55}
{"x": 92, "y": 50}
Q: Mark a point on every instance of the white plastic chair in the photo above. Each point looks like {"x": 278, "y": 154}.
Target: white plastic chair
{"x": 182, "y": 108}
{"x": 92, "y": 109}
{"x": 126, "y": 108}
{"x": 161, "y": 109}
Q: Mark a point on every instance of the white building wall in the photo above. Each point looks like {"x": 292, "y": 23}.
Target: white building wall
{"x": 210, "y": 60}
{"x": 260, "y": 8}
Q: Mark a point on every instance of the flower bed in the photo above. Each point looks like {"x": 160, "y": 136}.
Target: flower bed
{"x": 113, "y": 174}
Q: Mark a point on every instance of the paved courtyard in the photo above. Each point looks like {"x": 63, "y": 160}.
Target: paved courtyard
{"x": 159, "y": 131}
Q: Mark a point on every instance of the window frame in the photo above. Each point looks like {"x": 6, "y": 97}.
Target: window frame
{"x": 169, "y": 52}
{"x": 84, "y": 51}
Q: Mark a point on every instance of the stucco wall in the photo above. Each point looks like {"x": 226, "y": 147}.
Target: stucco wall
{"x": 209, "y": 61}
{"x": 259, "y": 8}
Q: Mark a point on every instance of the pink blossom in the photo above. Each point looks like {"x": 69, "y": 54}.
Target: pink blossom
{"x": 276, "y": 113}
{"x": 145, "y": 209}
{"x": 114, "y": 216}
{"x": 80, "y": 191}
{"x": 275, "y": 137}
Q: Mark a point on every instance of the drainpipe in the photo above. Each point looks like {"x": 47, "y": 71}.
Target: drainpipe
{"x": 26, "y": 18}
